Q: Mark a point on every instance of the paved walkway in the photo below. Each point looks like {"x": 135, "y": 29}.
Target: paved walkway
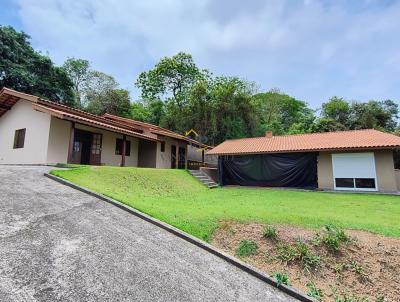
{"x": 58, "y": 244}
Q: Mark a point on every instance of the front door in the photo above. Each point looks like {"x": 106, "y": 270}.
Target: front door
{"x": 182, "y": 158}
{"x": 173, "y": 157}
{"x": 95, "y": 152}
{"x": 87, "y": 148}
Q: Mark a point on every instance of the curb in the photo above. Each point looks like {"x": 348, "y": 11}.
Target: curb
{"x": 205, "y": 246}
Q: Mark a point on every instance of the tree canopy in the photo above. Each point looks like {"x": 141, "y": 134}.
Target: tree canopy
{"x": 179, "y": 95}
{"x": 26, "y": 70}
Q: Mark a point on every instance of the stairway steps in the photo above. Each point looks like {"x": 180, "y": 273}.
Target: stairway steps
{"x": 204, "y": 179}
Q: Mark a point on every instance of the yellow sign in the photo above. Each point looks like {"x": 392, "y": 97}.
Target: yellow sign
{"x": 191, "y": 131}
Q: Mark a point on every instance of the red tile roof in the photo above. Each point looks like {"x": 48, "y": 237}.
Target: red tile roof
{"x": 341, "y": 140}
{"x": 9, "y": 97}
{"x": 154, "y": 129}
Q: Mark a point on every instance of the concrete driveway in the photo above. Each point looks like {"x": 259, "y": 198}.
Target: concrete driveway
{"x": 58, "y": 244}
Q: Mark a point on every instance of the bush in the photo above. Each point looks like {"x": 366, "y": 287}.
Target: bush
{"x": 286, "y": 252}
{"x": 333, "y": 237}
{"x": 282, "y": 278}
{"x": 300, "y": 251}
{"x": 246, "y": 248}
{"x": 270, "y": 232}
{"x": 309, "y": 259}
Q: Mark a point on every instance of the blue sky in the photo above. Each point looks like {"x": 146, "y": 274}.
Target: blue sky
{"x": 309, "y": 49}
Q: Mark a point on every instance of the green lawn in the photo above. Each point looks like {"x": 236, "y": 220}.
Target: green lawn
{"x": 180, "y": 200}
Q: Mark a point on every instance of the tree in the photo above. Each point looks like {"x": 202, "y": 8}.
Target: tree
{"x": 114, "y": 101}
{"x": 25, "y": 70}
{"x": 78, "y": 70}
{"x": 233, "y": 114}
{"x": 171, "y": 79}
{"x": 373, "y": 114}
{"x": 337, "y": 109}
{"x": 103, "y": 96}
{"x": 282, "y": 114}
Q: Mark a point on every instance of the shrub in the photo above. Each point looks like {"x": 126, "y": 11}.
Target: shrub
{"x": 286, "y": 252}
{"x": 270, "y": 232}
{"x": 308, "y": 258}
{"x": 333, "y": 237}
{"x": 314, "y": 291}
{"x": 282, "y": 278}
{"x": 300, "y": 251}
{"x": 246, "y": 248}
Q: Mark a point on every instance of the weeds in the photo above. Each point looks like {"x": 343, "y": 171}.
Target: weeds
{"x": 359, "y": 270}
{"x": 332, "y": 238}
{"x": 286, "y": 252}
{"x": 301, "y": 252}
{"x": 282, "y": 278}
{"x": 270, "y": 232}
{"x": 246, "y": 248}
{"x": 314, "y": 291}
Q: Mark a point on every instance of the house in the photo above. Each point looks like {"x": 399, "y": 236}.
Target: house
{"x": 38, "y": 131}
{"x": 358, "y": 160}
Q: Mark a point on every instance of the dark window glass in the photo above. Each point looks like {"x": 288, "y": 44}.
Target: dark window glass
{"x": 396, "y": 159}
{"x": 344, "y": 182}
{"x": 19, "y": 138}
{"x": 365, "y": 183}
{"x": 162, "y": 146}
{"x": 118, "y": 147}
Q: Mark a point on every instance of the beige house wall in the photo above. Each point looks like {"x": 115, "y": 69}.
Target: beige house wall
{"x": 325, "y": 171}
{"x": 164, "y": 158}
{"x": 384, "y": 165}
{"x": 58, "y": 141}
{"x": 37, "y": 126}
{"x": 385, "y": 171}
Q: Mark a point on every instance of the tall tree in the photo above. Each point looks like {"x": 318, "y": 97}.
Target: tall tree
{"x": 282, "y": 114}
{"x": 170, "y": 79}
{"x": 337, "y": 109}
{"x": 114, "y": 101}
{"x": 26, "y": 70}
{"x": 374, "y": 114}
{"x": 78, "y": 70}
{"x": 103, "y": 96}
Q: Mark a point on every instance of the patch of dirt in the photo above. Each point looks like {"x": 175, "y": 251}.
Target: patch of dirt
{"x": 367, "y": 267}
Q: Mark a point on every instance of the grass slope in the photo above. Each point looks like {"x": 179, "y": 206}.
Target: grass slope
{"x": 180, "y": 200}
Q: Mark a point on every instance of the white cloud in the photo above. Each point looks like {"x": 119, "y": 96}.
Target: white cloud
{"x": 311, "y": 50}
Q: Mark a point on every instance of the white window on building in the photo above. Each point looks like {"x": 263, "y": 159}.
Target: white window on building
{"x": 354, "y": 171}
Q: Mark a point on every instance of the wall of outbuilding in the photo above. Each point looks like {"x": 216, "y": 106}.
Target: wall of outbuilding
{"x": 384, "y": 165}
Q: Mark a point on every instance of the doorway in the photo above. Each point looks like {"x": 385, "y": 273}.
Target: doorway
{"x": 86, "y": 148}
{"x": 182, "y": 158}
{"x": 173, "y": 157}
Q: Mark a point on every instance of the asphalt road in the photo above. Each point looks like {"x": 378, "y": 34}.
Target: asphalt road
{"x": 58, "y": 244}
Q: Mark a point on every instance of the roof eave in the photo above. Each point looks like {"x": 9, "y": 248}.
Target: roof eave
{"x": 388, "y": 147}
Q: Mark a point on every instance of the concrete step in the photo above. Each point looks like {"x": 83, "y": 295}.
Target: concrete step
{"x": 203, "y": 178}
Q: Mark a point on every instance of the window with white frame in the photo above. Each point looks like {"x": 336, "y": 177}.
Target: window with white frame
{"x": 354, "y": 171}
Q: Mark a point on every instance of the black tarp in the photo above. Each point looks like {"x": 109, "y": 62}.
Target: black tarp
{"x": 297, "y": 170}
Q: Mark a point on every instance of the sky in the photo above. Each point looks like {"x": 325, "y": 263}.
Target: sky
{"x": 309, "y": 49}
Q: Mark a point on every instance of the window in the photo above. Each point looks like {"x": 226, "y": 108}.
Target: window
{"x": 19, "y": 138}
{"x": 118, "y": 147}
{"x": 96, "y": 144}
{"x": 354, "y": 171}
{"x": 162, "y": 146}
{"x": 365, "y": 183}
{"x": 344, "y": 182}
